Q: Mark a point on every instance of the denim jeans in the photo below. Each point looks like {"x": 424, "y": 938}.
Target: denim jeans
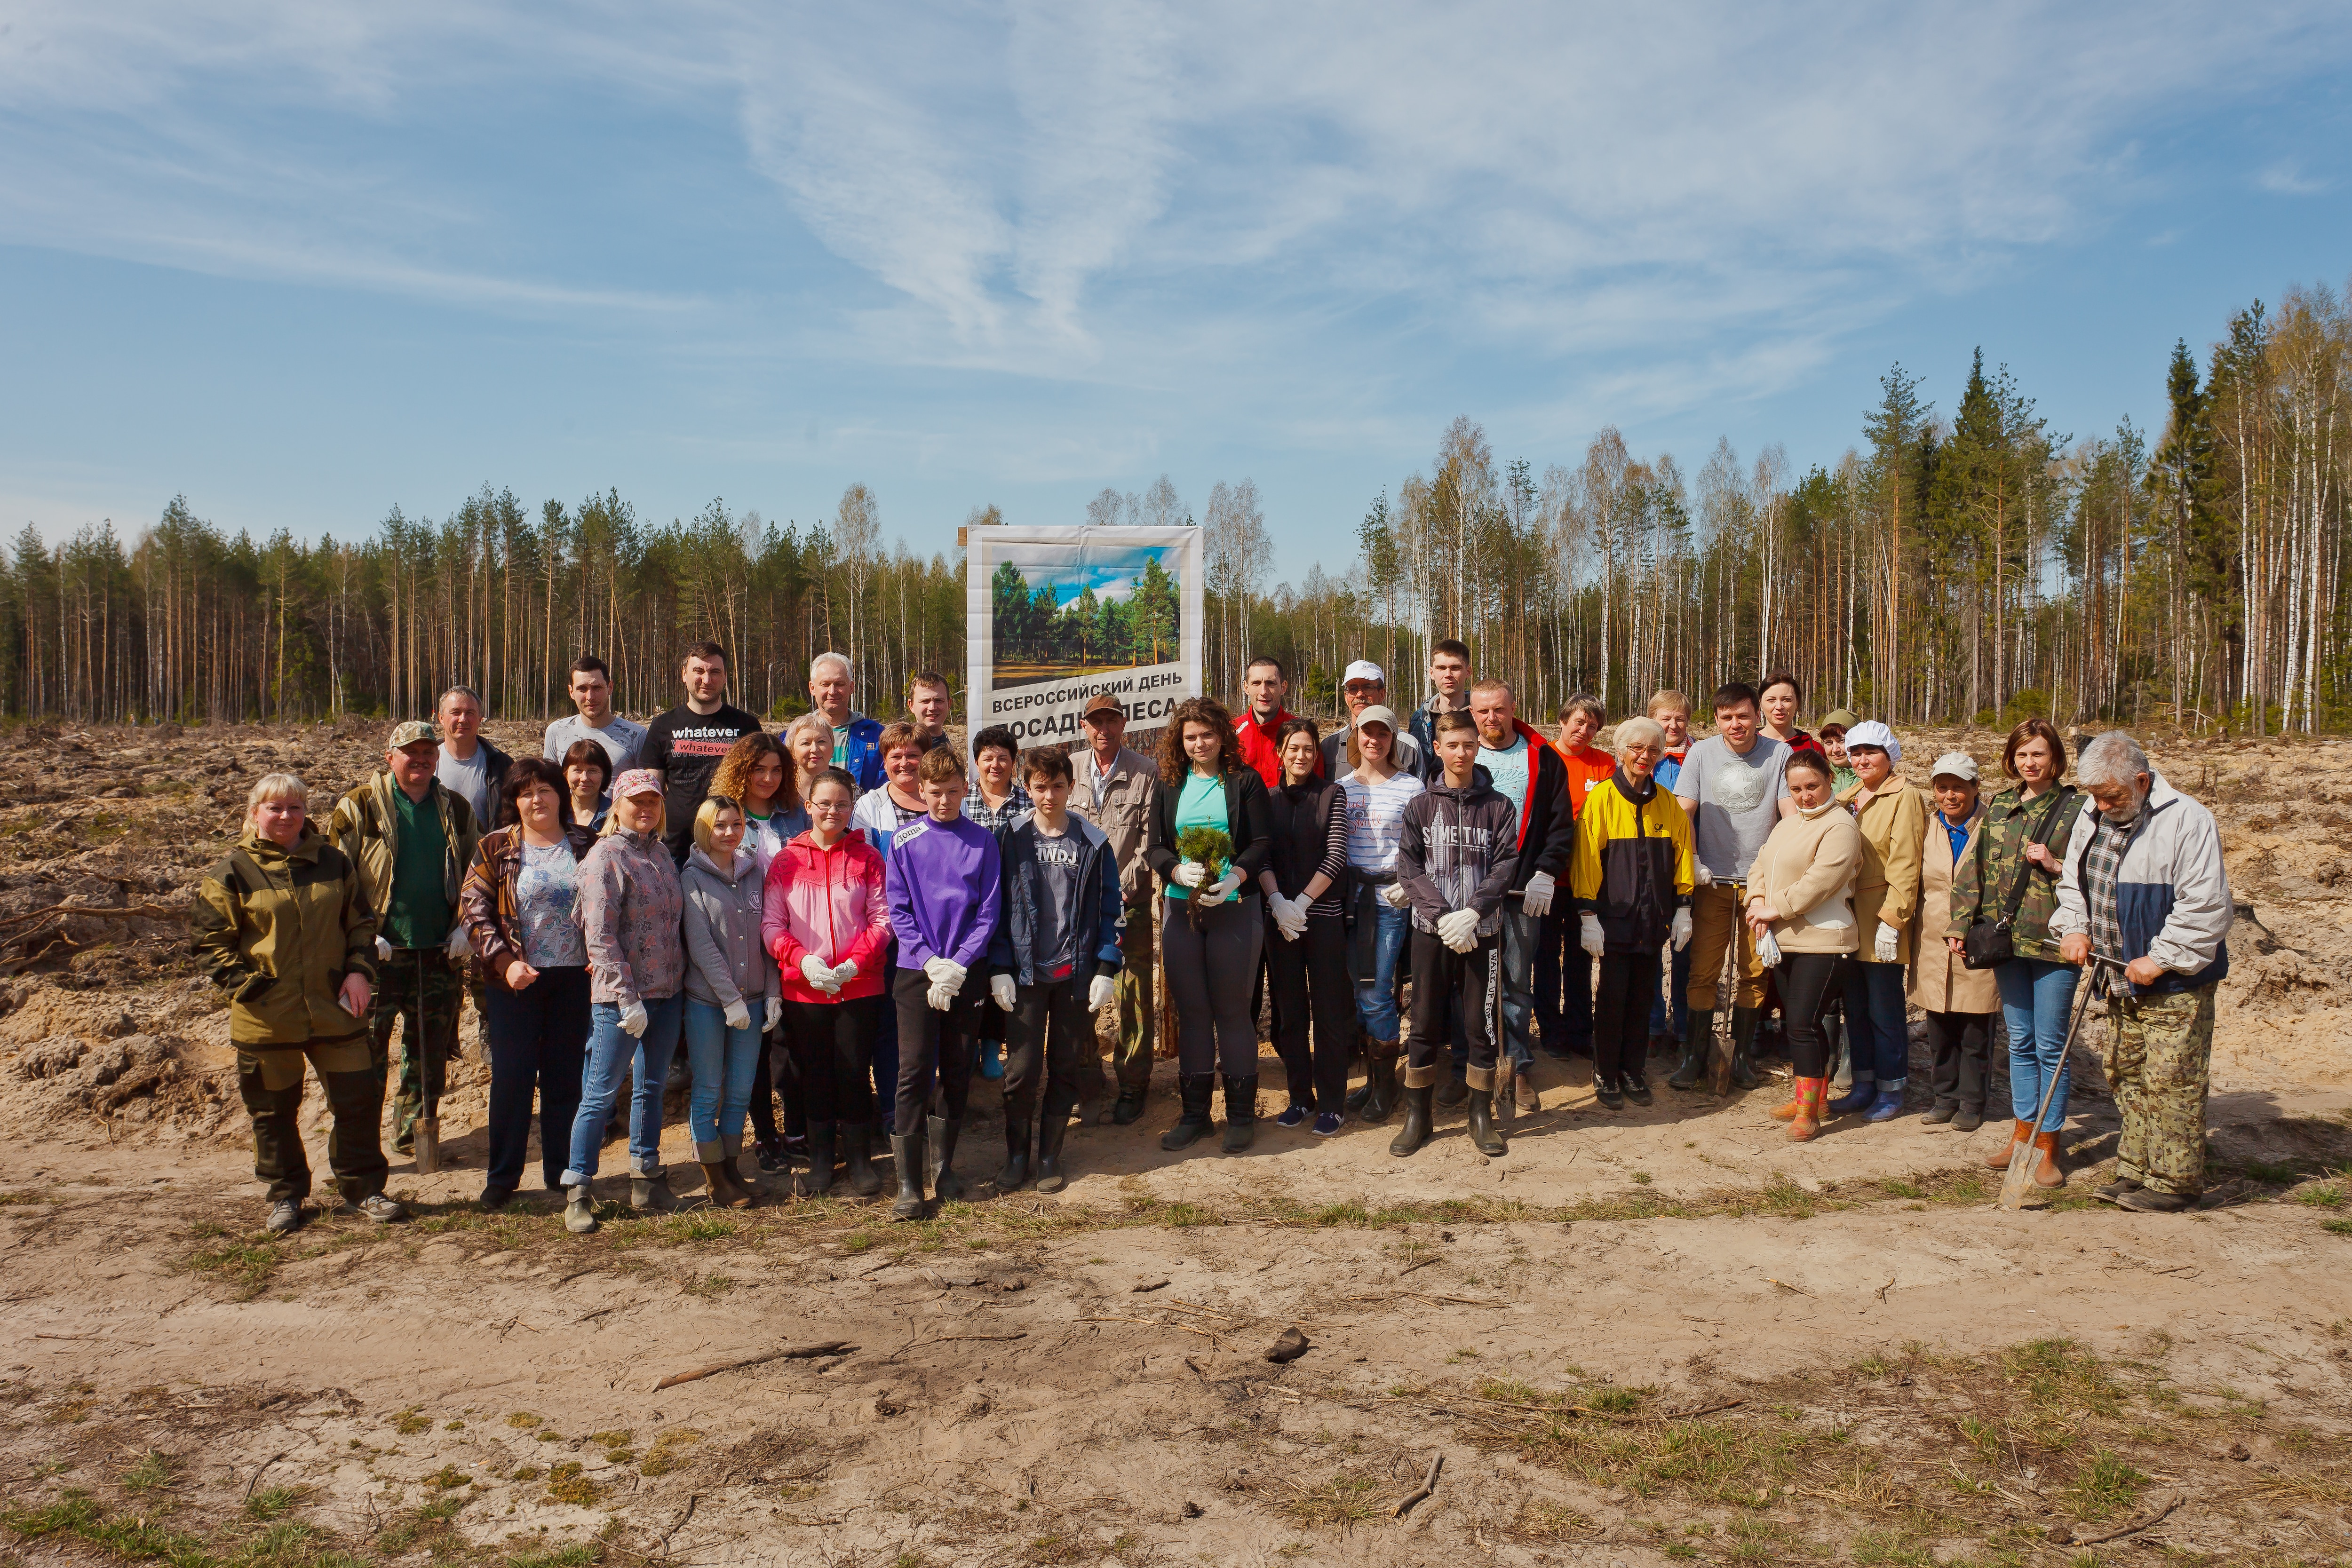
{"x": 2036, "y": 995}
{"x": 723, "y": 1061}
{"x": 539, "y": 1041}
{"x": 611, "y": 1052}
{"x": 1875, "y": 1024}
{"x": 1672, "y": 1017}
{"x": 1376, "y": 994}
{"x": 1522, "y": 936}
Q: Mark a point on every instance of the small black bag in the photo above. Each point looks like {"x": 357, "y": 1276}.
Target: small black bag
{"x": 1986, "y": 944}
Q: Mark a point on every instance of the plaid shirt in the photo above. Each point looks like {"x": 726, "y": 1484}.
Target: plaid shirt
{"x": 1016, "y": 806}
{"x": 2103, "y": 860}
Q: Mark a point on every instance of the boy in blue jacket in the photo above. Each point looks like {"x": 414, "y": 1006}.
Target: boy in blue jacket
{"x": 1053, "y": 962}
{"x": 942, "y": 878}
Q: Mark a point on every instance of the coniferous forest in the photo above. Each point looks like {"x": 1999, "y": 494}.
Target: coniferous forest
{"x": 1968, "y": 562}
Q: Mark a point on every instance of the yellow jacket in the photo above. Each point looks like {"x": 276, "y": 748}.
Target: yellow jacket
{"x": 1632, "y": 864}
{"x": 1893, "y": 824}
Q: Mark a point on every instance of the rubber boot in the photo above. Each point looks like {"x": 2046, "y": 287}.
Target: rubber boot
{"x": 1016, "y": 1174}
{"x": 1050, "y": 1132}
{"x": 857, "y": 1154}
{"x": 1380, "y": 1085}
{"x": 748, "y": 1186}
{"x": 2019, "y": 1133}
{"x": 725, "y": 1191}
{"x": 1806, "y": 1125}
{"x": 907, "y": 1157}
{"x": 1240, "y": 1112}
{"x": 819, "y": 1179}
{"x": 2046, "y": 1169}
{"x": 1416, "y": 1131}
{"x": 1485, "y": 1136}
{"x": 1789, "y": 1112}
{"x": 1691, "y": 1072}
{"x": 1195, "y": 1090}
{"x": 945, "y": 1183}
{"x": 651, "y": 1194}
{"x": 1744, "y": 1021}
{"x": 1129, "y": 1110}
{"x": 1860, "y": 1097}
{"x": 579, "y": 1210}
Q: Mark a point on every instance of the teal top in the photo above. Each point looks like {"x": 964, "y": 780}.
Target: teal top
{"x": 1202, "y": 805}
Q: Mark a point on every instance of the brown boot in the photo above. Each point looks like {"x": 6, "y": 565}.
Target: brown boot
{"x": 2046, "y": 1162}
{"x": 1523, "y": 1092}
{"x": 719, "y": 1172}
{"x": 2021, "y": 1132}
{"x": 1805, "y": 1122}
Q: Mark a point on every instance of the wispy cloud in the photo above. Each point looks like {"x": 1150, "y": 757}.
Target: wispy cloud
{"x": 2287, "y": 179}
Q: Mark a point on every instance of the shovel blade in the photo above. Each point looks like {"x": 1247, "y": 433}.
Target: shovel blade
{"x": 2018, "y": 1180}
{"x": 428, "y": 1144}
{"x": 1719, "y": 1065}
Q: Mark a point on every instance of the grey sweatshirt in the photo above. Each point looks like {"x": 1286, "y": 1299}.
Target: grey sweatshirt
{"x": 724, "y": 960}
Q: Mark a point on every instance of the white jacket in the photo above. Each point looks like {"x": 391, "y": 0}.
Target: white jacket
{"x": 2172, "y": 892}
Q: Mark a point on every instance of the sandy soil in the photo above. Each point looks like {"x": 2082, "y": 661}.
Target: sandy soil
{"x": 1665, "y": 1335}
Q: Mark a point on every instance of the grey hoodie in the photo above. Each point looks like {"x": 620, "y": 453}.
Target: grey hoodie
{"x": 724, "y": 960}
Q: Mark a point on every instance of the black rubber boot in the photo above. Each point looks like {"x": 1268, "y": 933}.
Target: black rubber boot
{"x": 945, "y": 1183}
{"x": 1485, "y": 1136}
{"x": 857, "y": 1154}
{"x": 1416, "y": 1131}
{"x": 1240, "y": 1112}
{"x": 1195, "y": 1090}
{"x": 1452, "y": 1090}
{"x": 1128, "y": 1109}
{"x": 1380, "y": 1081}
{"x": 906, "y": 1156}
{"x": 1743, "y": 1046}
{"x": 1691, "y": 1072}
{"x": 1050, "y": 1131}
{"x": 1016, "y": 1174}
{"x": 819, "y": 1179}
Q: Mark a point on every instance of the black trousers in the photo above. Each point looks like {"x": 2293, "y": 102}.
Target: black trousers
{"x": 354, "y": 1146}
{"x": 539, "y": 1044}
{"x": 1621, "y": 1011}
{"x": 1962, "y": 1044}
{"x": 1440, "y": 976}
{"x": 832, "y": 1047}
{"x": 935, "y": 1049}
{"x": 1043, "y": 1033}
{"x": 1310, "y": 984}
{"x": 1810, "y": 984}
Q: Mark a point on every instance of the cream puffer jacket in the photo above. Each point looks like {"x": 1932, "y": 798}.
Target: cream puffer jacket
{"x": 1806, "y": 870}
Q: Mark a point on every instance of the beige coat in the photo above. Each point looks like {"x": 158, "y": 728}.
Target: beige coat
{"x": 1124, "y": 815}
{"x": 1894, "y": 826}
{"x": 1806, "y": 870}
{"x": 1940, "y": 983}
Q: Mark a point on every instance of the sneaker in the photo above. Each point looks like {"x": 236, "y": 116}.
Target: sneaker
{"x": 1291, "y": 1116}
{"x": 1637, "y": 1088}
{"x": 378, "y": 1207}
{"x": 2147, "y": 1200}
{"x": 992, "y": 1059}
{"x": 1328, "y": 1122}
{"x": 1605, "y": 1089}
{"x": 285, "y": 1217}
{"x": 770, "y": 1157}
{"x": 1886, "y": 1107}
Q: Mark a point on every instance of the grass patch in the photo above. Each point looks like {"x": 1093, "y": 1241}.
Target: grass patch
{"x": 236, "y": 1258}
{"x": 2105, "y": 1486}
{"x": 2336, "y": 1227}
{"x": 664, "y": 1456}
{"x": 275, "y": 1503}
{"x": 2280, "y": 1172}
{"x": 409, "y": 1423}
{"x": 565, "y": 1483}
{"x": 1344, "y": 1497}
{"x": 155, "y": 1470}
{"x": 2324, "y": 1196}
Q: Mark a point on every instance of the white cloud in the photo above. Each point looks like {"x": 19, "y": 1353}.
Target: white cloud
{"x": 2287, "y": 179}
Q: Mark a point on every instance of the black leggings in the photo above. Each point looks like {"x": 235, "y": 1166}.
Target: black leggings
{"x": 832, "y": 1046}
{"x": 769, "y": 1084}
{"x": 1621, "y": 1012}
{"x": 1809, "y": 984}
{"x": 1309, "y": 980}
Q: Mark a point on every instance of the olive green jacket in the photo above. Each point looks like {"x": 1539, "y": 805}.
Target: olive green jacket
{"x": 367, "y": 830}
{"x": 282, "y": 928}
{"x": 1980, "y": 883}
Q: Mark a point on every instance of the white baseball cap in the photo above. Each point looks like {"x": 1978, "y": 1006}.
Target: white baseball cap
{"x": 1955, "y": 765}
{"x": 1363, "y": 670}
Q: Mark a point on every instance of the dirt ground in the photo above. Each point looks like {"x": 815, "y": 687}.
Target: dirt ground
{"x": 1658, "y": 1335}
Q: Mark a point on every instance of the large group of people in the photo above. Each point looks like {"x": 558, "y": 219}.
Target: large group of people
{"x": 851, "y": 920}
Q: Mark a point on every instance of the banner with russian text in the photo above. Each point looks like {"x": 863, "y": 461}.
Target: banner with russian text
{"x": 1056, "y": 616}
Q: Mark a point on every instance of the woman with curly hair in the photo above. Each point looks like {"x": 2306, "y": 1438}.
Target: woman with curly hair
{"x": 758, "y": 773}
{"x": 1210, "y": 931}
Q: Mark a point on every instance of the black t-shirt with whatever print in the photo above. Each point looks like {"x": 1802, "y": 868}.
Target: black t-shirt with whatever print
{"x": 686, "y": 746}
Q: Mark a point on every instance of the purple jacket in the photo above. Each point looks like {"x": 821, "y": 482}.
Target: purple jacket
{"x": 943, "y": 880}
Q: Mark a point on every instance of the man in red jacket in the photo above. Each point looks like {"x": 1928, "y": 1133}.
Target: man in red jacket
{"x": 1531, "y": 775}
{"x": 1266, "y": 685}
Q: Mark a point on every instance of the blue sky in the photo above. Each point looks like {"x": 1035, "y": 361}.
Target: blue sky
{"x": 303, "y": 261}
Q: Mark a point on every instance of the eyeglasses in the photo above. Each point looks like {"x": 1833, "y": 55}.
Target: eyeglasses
{"x": 833, "y": 807}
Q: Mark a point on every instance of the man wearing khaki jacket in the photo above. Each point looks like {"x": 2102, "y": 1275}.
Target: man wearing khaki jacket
{"x": 1116, "y": 790}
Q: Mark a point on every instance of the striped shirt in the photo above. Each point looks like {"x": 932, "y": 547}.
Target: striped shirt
{"x": 1376, "y": 820}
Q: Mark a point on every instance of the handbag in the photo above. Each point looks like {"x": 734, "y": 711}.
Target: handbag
{"x": 1988, "y": 944}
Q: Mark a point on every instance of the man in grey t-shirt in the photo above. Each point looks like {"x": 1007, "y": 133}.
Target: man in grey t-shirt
{"x": 470, "y": 767}
{"x": 592, "y": 693}
{"x": 1732, "y": 784}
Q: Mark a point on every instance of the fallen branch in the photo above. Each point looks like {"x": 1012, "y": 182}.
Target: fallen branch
{"x": 2171, "y": 1501}
{"x": 952, "y": 1339}
{"x": 789, "y": 1352}
{"x": 1419, "y": 1263}
{"x": 1428, "y": 1485}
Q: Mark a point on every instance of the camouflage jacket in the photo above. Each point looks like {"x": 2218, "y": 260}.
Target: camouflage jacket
{"x": 1980, "y": 883}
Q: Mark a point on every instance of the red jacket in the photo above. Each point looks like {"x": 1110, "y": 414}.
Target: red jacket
{"x": 829, "y": 902}
{"x": 1257, "y": 745}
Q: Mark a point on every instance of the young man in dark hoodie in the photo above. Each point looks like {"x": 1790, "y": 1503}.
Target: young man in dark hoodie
{"x": 1459, "y": 856}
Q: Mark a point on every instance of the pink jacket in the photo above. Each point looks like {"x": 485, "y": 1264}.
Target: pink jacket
{"x": 829, "y": 902}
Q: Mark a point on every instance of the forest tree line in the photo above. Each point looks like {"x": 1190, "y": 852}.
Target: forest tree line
{"x": 1969, "y": 566}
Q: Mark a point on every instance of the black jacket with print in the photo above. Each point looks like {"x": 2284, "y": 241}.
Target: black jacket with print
{"x": 1459, "y": 851}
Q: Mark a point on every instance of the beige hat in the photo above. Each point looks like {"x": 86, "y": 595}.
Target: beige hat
{"x": 1378, "y": 714}
{"x": 414, "y": 731}
{"x": 1955, "y": 765}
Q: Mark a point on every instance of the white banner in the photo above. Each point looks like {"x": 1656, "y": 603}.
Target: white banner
{"x": 1054, "y": 616}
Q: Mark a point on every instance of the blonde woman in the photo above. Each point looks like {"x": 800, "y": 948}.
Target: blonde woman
{"x": 731, "y": 995}
{"x": 808, "y": 747}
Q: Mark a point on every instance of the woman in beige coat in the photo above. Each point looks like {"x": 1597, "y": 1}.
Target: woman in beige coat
{"x": 1800, "y": 891}
{"x": 1892, "y": 815}
{"x": 1960, "y": 1002}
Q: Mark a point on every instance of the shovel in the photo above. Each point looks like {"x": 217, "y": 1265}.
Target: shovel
{"x": 428, "y": 1132}
{"x": 1720, "y": 1044}
{"x": 2018, "y": 1180}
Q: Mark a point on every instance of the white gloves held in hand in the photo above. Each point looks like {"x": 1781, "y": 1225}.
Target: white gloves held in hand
{"x": 1705, "y": 877}
{"x": 739, "y": 1016}
{"x": 1536, "y": 897}
{"x": 1589, "y": 935}
{"x": 1101, "y": 991}
{"x": 1289, "y": 915}
{"x": 457, "y": 947}
{"x": 774, "y": 1015}
{"x": 1458, "y": 929}
{"x": 1393, "y": 894}
{"x": 818, "y": 974}
{"x": 1189, "y": 873}
{"x": 1680, "y": 932}
{"x": 1767, "y": 950}
{"x": 1889, "y": 945}
{"x": 634, "y": 1020}
{"x": 947, "y": 982}
{"x": 1003, "y": 991}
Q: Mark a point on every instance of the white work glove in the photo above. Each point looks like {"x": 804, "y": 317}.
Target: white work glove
{"x": 1002, "y": 990}
{"x": 383, "y": 949}
{"x": 942, "y": 995}
{"x": 1679, "y": 932}
{"x": 1767, "y": 951}
{"x": 844, "y": 972}
{"x": 1458, "y": 929}
{"x": 634, "y": 1020}
{"x": 1289, "y": 916}
{"x": 1393, "y": 894}
{"x": 1589, "y": 935}
{"x": 1705, "y": 877}
{"x": 1101, "y": 991}
{"x": 818, "y": 974}
{"x": 1888, "y": 945}
{"x": 737, "y": 1015}
{"x": 1221, "y": 889}
{"x": 457, "y": 947}
{"x": 1189, "y": 873}
{"x": 1536, "y": 897}
{"x": 774, "y": 1015}
{"x": 940, "y": 970}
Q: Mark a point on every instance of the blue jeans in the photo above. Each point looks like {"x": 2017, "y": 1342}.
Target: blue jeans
{"x": 611, "y": 1052}
{"x": 1875, "y": 1028}
{"x": 1522, "y": 938}
{"x": 723, "y": 1061}
{"x": 1673, "y": 1018}
{"x": 1376, "y": 995}
{"x": 539, "y": 1039}
{"x": 2036, "y": 995}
